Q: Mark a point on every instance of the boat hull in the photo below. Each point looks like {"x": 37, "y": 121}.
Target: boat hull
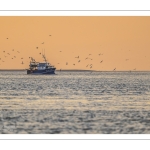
{"x": 41, "y": 72}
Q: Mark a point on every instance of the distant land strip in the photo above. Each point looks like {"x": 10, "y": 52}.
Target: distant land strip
{"x": 56, "y": 70}
{"x": 76, "y": 70}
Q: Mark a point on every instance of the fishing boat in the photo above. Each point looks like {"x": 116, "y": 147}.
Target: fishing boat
{"x": 40, "y": 68}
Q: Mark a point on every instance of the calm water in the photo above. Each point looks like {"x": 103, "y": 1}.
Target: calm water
{"x": 75, "y": 102}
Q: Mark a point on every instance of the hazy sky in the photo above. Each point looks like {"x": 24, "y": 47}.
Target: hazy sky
{"x": 123, "y": 41}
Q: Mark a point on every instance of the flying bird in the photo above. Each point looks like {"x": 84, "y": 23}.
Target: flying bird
{"x": 101, "y": 61}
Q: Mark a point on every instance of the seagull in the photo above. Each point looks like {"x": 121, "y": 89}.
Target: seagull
{"x": 36, "y": 47}
{"x": 13, "y": 50}
{"x": 77, "y": 57}
{"x": 127, "y": 59}
{"x": 49, "y": 35}
{"x": 7, "y": 38}
{"x": 22, "y": 62}
{"x": 66, "y": 63}
{"x": 101, "y": 61}
{"x": 60, "y": 51}
{"x": 86, "y": 58}
{"x": 42, "y": 43}
{"x": 4, "y": 51}
{"x": 8, "y": 53}
{"x": 58, "y": 63}
{"x": 87, "y": 66}
{"x": 40, "y": 53}
{"x": 114, "y": 69}
{"x": 73, "y": 64}
{"x": 21, "y": 58}
{"x": 79, "y": 61}
{"x": 18, "y": 51}
{"x": 89, "y": 54}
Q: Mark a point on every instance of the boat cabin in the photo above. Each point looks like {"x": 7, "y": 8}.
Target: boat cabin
{"x": 42, "y": 66}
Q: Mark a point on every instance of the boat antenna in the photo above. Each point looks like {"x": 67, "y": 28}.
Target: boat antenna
{"x": 44, "y": 56}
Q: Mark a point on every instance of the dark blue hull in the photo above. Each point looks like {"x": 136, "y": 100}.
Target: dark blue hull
{"x": 41, "y": 72}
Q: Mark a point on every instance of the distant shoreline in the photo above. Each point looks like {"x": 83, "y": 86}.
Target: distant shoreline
{"x": 81, "y": 70}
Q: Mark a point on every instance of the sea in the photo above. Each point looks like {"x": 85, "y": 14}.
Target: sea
{"x": 75, "y": 102}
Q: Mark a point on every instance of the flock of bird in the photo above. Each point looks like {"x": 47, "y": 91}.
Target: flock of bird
{"x": 79, "y": 60}
{"x": 6, "y": 54}
{"x": 14, "y": 55}
{"x": 91, "y": 65}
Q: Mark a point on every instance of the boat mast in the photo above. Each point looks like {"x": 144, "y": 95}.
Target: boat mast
{"x": 43, "y": 55}
{"x": 32, "y": 60}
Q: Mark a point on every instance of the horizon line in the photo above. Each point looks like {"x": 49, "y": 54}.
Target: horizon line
{"x": 76, "y": 10}
{"x": 82, "y": 70}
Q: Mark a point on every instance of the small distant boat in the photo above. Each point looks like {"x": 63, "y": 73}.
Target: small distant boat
{"x": 40, "y": 68}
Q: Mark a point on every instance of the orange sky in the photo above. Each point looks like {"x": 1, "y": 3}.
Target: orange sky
{"x": 117, "y": 38}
